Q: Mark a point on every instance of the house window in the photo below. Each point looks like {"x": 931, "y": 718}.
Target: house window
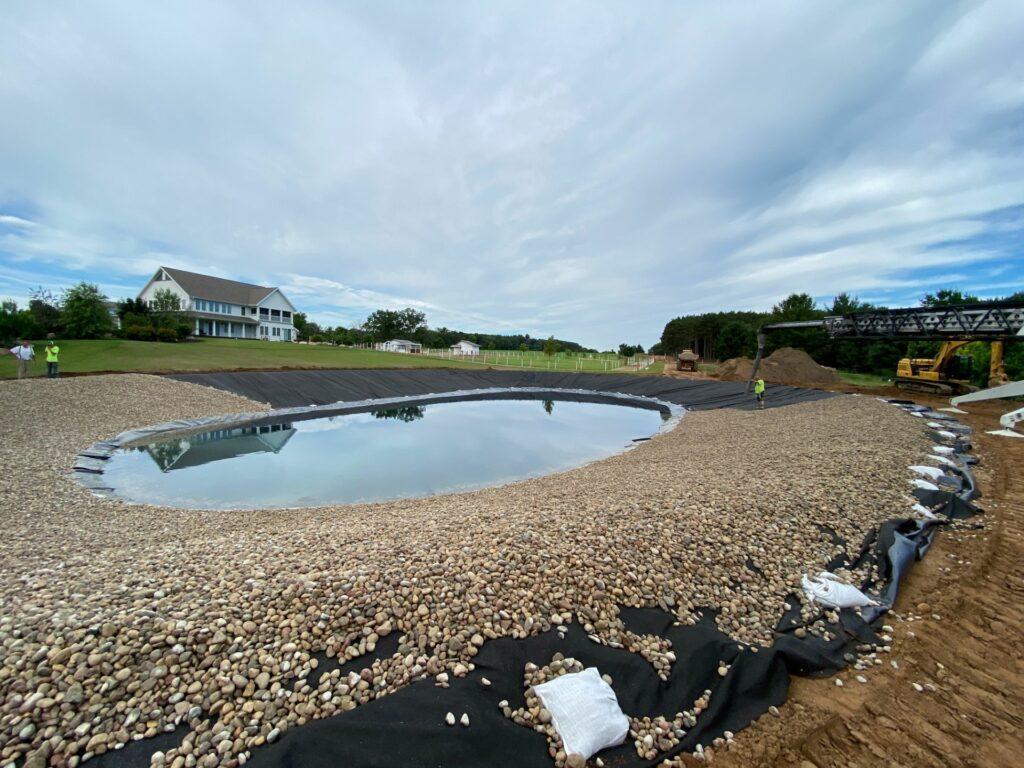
{"x": 275, "y": 314}
{"x": 264, "y": 312}
{"x": 286, "y": 314}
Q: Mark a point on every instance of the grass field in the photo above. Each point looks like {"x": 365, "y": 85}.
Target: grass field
{"x": 92, "y": 356}
{"x": 865, "y": 379}
{"x": 121, "y": 355}
{"x": 596, "y": 362}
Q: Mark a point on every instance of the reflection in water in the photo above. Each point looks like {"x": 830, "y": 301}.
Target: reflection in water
{"x": 387, "y": 454}
{"x": 217, "y": 445}
{"x": 406, "y": 413}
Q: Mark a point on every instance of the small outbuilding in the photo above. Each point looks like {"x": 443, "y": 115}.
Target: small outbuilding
{"x": 402, "y": 345}
{"x": 465, "y": 348}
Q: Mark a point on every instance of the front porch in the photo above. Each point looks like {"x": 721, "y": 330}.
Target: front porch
{"x": 232, "y": 329}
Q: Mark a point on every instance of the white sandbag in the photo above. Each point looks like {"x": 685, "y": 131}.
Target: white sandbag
{"x": 828, "y": 590}
{"x": 924, "y": 484}
{"x": 933, "y": 472}
{"x": 944, "y": 461}
{"x": 584, "y": 711}
{"x": 945, "y": 449}
{"x": 946, "y": 434}
{"x": 924, "y": 511}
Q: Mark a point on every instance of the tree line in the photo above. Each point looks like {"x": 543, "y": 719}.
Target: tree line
{"x": 411, "y": 324}
{"x": 724, "y": 335}
{"x": 84, "y": 312}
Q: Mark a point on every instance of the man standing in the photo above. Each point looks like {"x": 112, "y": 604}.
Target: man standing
{"x": 24, "y": 354}
{"x": 759, "y": 392}
{"x": 52, "y": 359}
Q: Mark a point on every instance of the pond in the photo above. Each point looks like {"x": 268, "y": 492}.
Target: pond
{"x": 395, "y": 452}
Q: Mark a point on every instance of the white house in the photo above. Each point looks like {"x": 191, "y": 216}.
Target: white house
{"x": 226, "y": 308}
{"x": 465, "y": 348}
{"x": 401, "y": 345}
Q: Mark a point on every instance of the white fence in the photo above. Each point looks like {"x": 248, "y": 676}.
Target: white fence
{"x": 539, "y": 361}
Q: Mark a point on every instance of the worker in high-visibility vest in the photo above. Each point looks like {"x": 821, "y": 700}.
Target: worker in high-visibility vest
{"x": 52, "y": 359}
{"x": 759, "y": 392}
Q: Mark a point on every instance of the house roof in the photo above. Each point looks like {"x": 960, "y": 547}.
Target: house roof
{"x": 404, "y": 341}
{"x": 217, "y": 288}
{"x": 457, "y": 343}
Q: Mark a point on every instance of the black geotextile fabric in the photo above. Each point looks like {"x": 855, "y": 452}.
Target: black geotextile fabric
{"x": 408, "y": 728}
{"x": 287, "y": 389}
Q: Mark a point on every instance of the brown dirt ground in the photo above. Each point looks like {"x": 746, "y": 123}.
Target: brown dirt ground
{"x": 967, "y": 643}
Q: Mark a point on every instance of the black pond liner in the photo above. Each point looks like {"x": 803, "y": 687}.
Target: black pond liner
{"x": 283, "y": 389}
{"x": 407, "y": 727}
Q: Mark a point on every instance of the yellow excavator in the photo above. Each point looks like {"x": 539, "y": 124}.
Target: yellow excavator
{"x": 948, "y": 373}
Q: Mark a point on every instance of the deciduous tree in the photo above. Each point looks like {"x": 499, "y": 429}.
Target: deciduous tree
{"x": 84, "y": 312}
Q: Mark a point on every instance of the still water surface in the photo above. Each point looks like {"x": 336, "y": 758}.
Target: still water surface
{"x": 404, "y": 452}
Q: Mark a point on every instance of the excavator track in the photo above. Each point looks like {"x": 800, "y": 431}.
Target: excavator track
{"x": 940, "y": 388}
{"x": 924, "y": 387}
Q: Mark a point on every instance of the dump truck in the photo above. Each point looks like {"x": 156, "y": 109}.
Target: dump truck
{"x": 687, "y": 360}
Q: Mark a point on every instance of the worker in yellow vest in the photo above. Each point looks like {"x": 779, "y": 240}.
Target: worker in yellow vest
{"x": 759, "y": 392}
{"x": 52, "y": 359}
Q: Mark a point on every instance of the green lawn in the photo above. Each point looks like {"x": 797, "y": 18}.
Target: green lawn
{"x": 120, "y": 355}
{"x": 598, "y": 362}
{"x": 80, "y": 356}
{"x": 865, "y": 379}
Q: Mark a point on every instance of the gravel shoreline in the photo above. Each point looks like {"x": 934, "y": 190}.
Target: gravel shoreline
{"x": 119, "y": 621}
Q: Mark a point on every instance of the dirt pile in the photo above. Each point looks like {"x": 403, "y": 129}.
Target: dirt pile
{"x": 783, "y": 366}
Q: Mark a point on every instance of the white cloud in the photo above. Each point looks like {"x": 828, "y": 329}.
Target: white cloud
{"x": 577, "y": 169}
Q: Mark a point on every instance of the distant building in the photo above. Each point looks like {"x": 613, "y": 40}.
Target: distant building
{"x": 112, "y": 311}
{"x": 465, "y": 348}
{"x": 401, "y": 345}
{"x": 226, "y": 308}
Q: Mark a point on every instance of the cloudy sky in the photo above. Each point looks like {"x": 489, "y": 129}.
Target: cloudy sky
{"x": 586, "y": 170}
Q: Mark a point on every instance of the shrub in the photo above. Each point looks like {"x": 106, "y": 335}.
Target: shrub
{"x": 184, "y": 330}
{"x": 140, "y": 332}
{"x": 17, "y": 324}
{"x": 167, "y": 334}
{"x": 133, "y": 319}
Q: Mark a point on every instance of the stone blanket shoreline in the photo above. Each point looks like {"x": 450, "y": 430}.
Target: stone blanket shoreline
{"x": 118, "y": 621}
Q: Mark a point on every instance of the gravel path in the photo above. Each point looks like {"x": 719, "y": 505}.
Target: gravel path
{"x": 118, "y": 621}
